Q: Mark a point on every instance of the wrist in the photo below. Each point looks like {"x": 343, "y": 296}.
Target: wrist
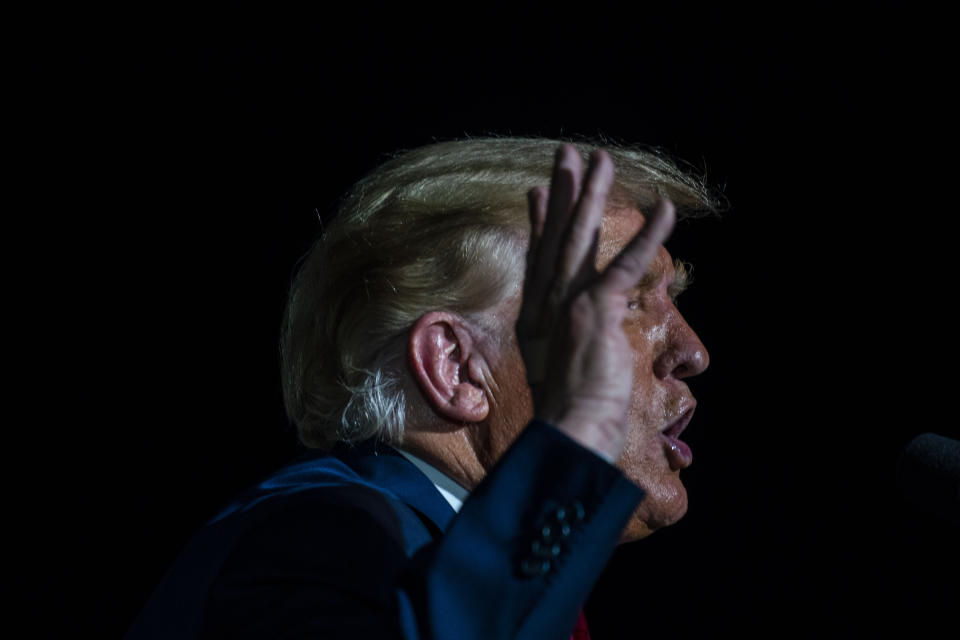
{"x": 604, "y": 440}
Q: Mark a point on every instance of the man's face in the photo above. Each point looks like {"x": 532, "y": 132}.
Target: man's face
{"x": 666, "y": 350}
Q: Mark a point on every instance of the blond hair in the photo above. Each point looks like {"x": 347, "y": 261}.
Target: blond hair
{"x": 441, "y": 227}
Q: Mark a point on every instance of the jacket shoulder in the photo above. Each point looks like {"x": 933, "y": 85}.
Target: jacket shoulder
{"x": 323, "y": 565}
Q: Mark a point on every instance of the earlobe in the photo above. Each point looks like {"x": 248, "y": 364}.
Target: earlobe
{"x": 443, "y": 362}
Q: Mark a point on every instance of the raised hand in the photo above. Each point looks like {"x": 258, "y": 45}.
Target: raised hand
{"x": 579, "y": 361}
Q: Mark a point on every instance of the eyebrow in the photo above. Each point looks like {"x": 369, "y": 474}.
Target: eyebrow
{"x": 682, "y": 278}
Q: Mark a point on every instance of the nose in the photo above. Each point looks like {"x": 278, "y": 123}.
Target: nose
{"x": 684, "y": 355}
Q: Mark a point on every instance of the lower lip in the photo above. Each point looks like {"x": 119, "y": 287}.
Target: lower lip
{"x": 677, "y": 451}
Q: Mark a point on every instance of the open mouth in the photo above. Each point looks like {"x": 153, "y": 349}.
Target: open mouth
{"x": 676, "y": 450}
{"x": 675, "y": 428}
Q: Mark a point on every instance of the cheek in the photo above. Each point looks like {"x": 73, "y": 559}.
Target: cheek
{"x": 645, "y": 464}
{"x": 643, "y": 459}
{"x": 642, "y": 455}
{"x": 649, "y": 401}
{"x": 511, "y": 407}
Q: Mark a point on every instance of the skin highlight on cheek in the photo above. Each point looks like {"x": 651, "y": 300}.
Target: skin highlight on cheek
{"x": 656, "y": 333}
{"x": 643, "y": 461}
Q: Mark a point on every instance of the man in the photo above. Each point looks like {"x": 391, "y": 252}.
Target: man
{"x": 495, "y": 425}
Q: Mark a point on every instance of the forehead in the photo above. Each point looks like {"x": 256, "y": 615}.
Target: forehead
{"x": 619, "y": 226}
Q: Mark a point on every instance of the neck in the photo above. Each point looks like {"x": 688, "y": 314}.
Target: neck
{"x": 457, "y": 453}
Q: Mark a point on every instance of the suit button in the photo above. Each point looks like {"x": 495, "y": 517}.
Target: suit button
{"x": 579, "y": 513}
{"x": 534, "y": 567}
{"x": 545, "y": 550}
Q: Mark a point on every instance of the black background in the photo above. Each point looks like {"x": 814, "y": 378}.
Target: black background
{"x": 176, "y": 164}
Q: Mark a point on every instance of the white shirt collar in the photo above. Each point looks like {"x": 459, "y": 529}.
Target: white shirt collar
{"x": 448, "y": 488}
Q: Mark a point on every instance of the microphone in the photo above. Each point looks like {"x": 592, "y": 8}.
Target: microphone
{"x": 928, "y": 474}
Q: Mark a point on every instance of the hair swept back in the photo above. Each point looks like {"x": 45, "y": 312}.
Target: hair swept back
{"x": 439, "y": 227}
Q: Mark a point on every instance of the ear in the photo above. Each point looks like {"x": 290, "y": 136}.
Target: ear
{"x": 446, "y": 365}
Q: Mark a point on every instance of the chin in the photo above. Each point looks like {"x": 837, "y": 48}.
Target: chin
{"x": 660, "y": 508}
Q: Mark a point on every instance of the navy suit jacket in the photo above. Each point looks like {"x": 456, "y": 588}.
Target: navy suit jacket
{"x": 358, "y": 543}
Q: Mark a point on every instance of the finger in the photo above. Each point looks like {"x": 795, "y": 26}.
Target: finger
{"x": 588, "y": 267}
{"x": 534, "y": 287}
{"x": 537, "y": 200}
{"x": 582, "y": 232}
{"x": 564, "y": 190}
{"x": 631, "y": 263}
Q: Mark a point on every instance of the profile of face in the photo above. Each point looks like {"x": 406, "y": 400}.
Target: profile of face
{"x": 666, "y": 352}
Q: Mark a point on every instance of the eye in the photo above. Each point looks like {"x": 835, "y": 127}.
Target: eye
{"x": 633, "y": 305}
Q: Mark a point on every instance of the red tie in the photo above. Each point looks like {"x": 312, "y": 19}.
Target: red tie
{"x": 580, "y": 631}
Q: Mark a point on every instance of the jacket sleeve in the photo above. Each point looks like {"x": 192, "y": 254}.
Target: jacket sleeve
{"x": 517, "y": 562}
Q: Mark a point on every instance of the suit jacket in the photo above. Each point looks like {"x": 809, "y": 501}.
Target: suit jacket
{"x": 358, "y": 543}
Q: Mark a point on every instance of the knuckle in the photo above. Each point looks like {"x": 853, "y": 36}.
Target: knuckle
{"x": 616, "y": 274}
{"x": 581, "y": 304}
{"x": 581, "y": 312}
{"x": 629, "y": 262}
{"x": 577, "y": 230}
